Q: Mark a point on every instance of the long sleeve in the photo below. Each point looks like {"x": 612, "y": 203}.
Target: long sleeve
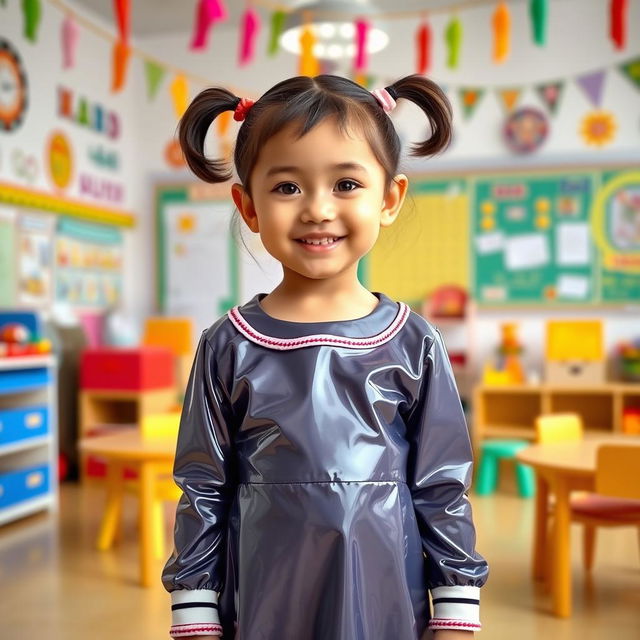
{"x": 439, "y": 475}
{"x": 194, "y": 574}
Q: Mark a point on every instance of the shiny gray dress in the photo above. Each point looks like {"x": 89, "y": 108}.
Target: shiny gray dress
{"x": 324, "y": 469}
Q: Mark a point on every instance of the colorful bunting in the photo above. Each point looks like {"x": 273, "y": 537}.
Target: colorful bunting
{"x": 308, "y": 65}
{"x": 509, "y": 98}
{"x": 278, "y": 19}
{"x": 550, "y": 94}
{"x": 179, "y": 90}
{"x": 593, "y": 84}
{"x": 208, "y": 12}
{"x": 362, "y": 57}
{"x": 618, "y": 22}
{"x": 154, "y": 74}
{"x": 122, "y": 9}
{"x": 501, "y": 33}
{"x": 453, "y": 39}
{"x": 631, "y": 70}
{"x": 121, "y": 54}
{"x": 32, "y": 11}
{"x": 249, "y": 35}
{"x": 69, "y": 35}
{"x": 423, "y": 48}
{"x": 469, "y": 99}
{"x": 539, "y": 13}
{"x": 223, "y": 121}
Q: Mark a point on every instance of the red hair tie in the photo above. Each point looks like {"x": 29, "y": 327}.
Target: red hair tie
{"x": 242, "y": 109}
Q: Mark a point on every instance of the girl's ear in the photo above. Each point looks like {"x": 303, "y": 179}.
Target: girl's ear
{"x": 393, "y": 200}
{"x": 245, "y": 206}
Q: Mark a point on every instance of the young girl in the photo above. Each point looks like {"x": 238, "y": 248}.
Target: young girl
{"x": 323, "y": 453}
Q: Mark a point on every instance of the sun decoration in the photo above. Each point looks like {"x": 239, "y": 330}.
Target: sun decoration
{"x": 598, "y": 128}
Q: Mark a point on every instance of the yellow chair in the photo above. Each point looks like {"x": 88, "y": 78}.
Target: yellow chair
{"x": 616, "y": 501}
{"x": 162, "y": 425}
{"x": 559, "y": 427}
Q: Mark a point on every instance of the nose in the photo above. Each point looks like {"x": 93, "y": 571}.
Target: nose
{"x": 318, "y": 207}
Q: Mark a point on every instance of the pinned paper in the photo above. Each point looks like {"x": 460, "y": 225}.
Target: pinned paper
{"x": 490, "y": 242}
{"x": 277, "y": 26}
{"x": 572, "y": 286}
{"x": 526, "y": 251}
{"x": 362, "y": 57}
{"x": 573, "y": 245}
{"x": 423, "y": 48}
{"x": 539, "y": 14}
{"x": 32, "y": 12}
{"x": 618, "y": 22}
{"x": 453, "y": 39}
{"x": 501, "y": 32}
{"x": 69, "y": 35}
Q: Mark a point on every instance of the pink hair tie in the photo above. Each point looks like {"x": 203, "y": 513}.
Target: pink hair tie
{"x": 384, "y": 97}
{"x": 242, "y": 109}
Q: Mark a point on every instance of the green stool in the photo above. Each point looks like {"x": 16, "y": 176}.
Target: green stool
{"x": 492, "y": 452}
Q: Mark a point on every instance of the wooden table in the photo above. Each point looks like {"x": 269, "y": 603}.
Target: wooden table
{"x": 560, "y": 469}
{"x": 152, "y": 457}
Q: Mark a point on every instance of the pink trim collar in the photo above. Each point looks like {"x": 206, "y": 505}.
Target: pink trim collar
{"x": 319, "y": 339}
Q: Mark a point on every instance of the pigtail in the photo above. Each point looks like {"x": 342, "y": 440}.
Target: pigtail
{"x": 193, "y": 127}
{"x": 427, "y": 95}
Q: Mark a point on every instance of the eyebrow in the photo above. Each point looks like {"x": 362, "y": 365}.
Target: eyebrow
{"x": 343, "y": 166}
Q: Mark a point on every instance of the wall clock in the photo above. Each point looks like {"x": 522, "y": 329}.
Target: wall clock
{"x": 13, "y": 88}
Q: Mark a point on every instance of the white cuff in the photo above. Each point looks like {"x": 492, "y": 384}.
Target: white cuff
{"x": 456, "y": 608}
{"x": 194, "y": 612}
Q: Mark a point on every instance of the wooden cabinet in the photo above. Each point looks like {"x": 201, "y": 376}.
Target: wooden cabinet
{"x": 28, "y": 436}
{"x": 509, "y": 411}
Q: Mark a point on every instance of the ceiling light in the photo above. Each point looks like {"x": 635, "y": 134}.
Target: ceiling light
{"x": 332, "y": 22}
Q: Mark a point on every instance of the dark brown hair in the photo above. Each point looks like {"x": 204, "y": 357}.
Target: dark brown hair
{"x": 304, "y": 102}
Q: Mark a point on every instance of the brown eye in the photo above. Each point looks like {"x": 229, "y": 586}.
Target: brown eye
{"x": 287, "y": 188}
{"x": 347, "y": 185}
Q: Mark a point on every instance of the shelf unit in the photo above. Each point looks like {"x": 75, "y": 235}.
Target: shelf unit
{"x": 509, "y": 411}
{"x": 28, "y": 436}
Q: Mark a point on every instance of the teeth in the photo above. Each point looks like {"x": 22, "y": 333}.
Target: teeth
{"x": 319, "y": 242}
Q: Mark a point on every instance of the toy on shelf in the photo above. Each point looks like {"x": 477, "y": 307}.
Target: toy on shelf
{"x": 575, "y": 352}
{"x": 631, "y": 420}
{"x": 629, "y": 360}
{"x": 19, "y": 335}
{"x": 508, "y": 368}
{"x": 448, "y": 301}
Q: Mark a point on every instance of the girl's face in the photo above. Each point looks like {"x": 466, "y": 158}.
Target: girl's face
{"x": 326, "y": 187}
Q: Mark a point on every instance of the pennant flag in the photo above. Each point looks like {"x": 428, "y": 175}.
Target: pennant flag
{"x": 69, "y": 34}
{"x": 593, "y": 84}
{"x": 509, "y": 98}
{"x": 122, "y": 9}
{"x": 277, "y": 26}
{"x": 631, "y": 70}
{"x": 308, "y": 65}
{"x": 179, "y": 90}
{"x": 470, "y": 98}
{"x": 453, "y": 39}
{"x": 539, "y": 13}
{"x": 121, "y": 55}
{"x": 501, "y": 33}
{"x": 362, "y": 57}
{"x": 32, "y": 11}
{"x": 154, "y": 74}
{"x": 208, "y": 12}
{"x": 223, "y": 121}
{"x": 423, "y": 48}
{"x": 618, "y": 22}
{"x": 550, "y": 94}
{"x": 250, "y": 28}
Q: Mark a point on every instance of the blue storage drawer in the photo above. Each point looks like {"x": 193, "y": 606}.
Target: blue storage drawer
{"x": 24, "y": 484}
{"x": 23, "y": 379}
{"x": 22, "y": 424}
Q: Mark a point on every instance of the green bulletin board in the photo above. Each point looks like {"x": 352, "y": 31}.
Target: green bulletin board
{"x": 565, "y": 238}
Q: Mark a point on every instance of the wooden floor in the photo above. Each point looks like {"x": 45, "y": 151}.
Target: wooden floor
{"x": 54, "y": 585}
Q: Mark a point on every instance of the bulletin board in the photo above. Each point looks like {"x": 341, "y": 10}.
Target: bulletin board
{"x": 201, "y": 270}
{"x": 564, "y": 238}
{"x": 427, "y": 246}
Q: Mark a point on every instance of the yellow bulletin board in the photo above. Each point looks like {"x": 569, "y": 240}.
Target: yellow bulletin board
{"x": 428, "y": 246}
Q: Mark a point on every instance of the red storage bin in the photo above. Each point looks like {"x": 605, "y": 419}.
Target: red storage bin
{"x": 139, "y": 369}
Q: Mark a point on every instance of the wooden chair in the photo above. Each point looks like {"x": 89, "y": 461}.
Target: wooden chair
{"x": 616, "y": 501}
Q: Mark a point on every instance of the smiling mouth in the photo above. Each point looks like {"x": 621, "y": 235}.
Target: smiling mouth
{"x": 323, "y": 241}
